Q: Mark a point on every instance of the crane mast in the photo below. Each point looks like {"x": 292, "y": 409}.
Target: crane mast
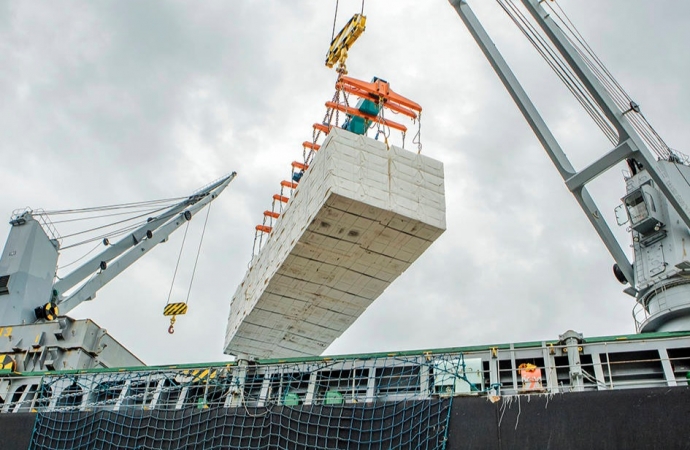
{"x": 656, "y": 203}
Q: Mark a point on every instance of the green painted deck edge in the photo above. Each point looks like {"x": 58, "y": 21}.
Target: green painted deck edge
{"x": 358, "y": 356}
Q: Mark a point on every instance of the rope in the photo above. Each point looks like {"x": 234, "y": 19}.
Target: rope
{"x": 118, "y": 232}
{"x": 335, "y": 16}
{"x": 112, "y": 224}
{"x": 149, "y": 210}
{"x": 198, "y": 252}
{"x": 560, "y": 67}
{"x": 80, "y": 258}
{"x": 614, "y": 89}
{"x": 184, "y": 238}
{"x": 110, "y": 207}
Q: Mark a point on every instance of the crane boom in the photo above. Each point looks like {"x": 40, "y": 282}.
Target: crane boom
{"x": 543, "y": 133}
{"x": 29, "y": 262}
{"x": 658, "y": 193}
{"x": 129, "y": 249}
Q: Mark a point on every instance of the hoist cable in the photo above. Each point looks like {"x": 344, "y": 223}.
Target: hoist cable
{"x": 572, "y": 82}
{"x": 113, "y": 223}
{"x": 623, "y": 102}
{"x": 80, "y": 258}
{"x": 571, "y": 27}
{"x": 612, "y": 86}
{"x": 114, "y": 233}
{"x": 177, "y": 265}
{"x": 549, "y": 55}
{"x": 198, "y": 252}
{"x": 335, "y": 16}
{"x": 110, "y": 207}
{"x": 54, "y": 222}
{"x": 560, "y": 68}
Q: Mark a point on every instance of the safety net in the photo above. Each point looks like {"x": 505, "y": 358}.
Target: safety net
{"x": 386, "y": 402}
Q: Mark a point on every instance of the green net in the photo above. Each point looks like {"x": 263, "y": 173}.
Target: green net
{"x": 385, "y": 402}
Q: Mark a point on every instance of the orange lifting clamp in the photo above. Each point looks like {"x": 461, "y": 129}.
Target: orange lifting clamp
{"x": 311, "y": 145}
{"x": 299, "y": 165}
{"x": 264, "y": 228}
{"x": 322, "y": 127}
{"x": 289, "y": 184}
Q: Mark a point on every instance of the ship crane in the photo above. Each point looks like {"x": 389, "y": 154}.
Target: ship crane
{"x": 656, "y": 206}
{"x": 34, "y": 299}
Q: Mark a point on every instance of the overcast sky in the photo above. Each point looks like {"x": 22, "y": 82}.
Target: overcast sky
{"x": 109, "y": 102}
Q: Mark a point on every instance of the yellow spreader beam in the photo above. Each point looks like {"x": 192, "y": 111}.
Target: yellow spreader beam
{"x": 337, "y": 53}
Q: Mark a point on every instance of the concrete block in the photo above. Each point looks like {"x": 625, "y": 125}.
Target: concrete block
{"x": 360, "y": 216}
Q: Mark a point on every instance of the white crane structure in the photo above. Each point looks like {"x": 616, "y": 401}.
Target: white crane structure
{"x": 34, "y": 299}
{"x": 657, "y": 202}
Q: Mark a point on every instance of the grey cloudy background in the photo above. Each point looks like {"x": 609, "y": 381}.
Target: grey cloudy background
{"x": 109, "y": 102}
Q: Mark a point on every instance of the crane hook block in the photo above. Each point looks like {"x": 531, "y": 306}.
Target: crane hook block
{"x": 175, "y": 309}
{"x": 171, "y": 328}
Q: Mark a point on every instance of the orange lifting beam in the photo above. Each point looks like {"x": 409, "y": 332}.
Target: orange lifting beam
{"x": 357, "y": 112}
{"x": 264, "y": 228}
{"x": 281, "y": 198}
{"x": 289, "y": 184}
{"x": 268, "y": 213}
{"x": 299, "y": 165}
{"x": 311, "y": 145}
{"x": 380, "y": 91}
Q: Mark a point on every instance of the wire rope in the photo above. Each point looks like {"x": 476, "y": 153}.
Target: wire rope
{"x": 109, "y": 207}
{"x": 118, "y": 232}
{"x": 198, "y": 252}
{"x": 560, "y": 68}
{"x": 113, "y": 224}
{"x": 149, "y": 210}
{"x": 335, "y": 16}
{"x": 80, "y": 258}
{"x": 177, "y": 265}
{"x": 618, "y": 94}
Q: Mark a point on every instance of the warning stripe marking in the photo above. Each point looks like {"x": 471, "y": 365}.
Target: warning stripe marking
{"x": 175, "y": 309}
{"x": 201, "y": 374}
{"x": 6, "y": 363}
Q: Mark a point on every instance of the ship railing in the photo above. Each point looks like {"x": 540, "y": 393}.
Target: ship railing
{"x": 640, "y": 316}
{"x": 603, "y": 365}
{"x": 42, "y": 218}
{"x": 317, "y": 383}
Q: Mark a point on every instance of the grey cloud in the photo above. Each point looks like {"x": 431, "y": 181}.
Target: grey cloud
{"x": 114, "y": 102}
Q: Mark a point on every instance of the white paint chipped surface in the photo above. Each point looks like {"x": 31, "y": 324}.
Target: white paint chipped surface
{"x": 360, "y": 216}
